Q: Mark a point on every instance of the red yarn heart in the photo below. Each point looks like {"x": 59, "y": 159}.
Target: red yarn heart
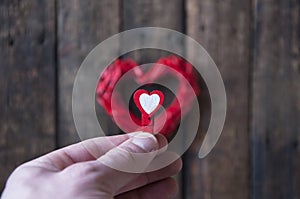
{"x": 173, "y": 112}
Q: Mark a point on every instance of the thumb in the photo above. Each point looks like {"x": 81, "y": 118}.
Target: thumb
{"x": 124, "y": 162}
{"x": 133, "y": 155}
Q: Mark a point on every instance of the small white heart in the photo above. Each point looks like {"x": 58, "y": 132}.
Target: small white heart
{"x": 149, "y": 102}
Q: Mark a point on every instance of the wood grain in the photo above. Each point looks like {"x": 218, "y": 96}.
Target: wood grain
{"x": 255, "y": 44}
{"x": 224, "y": 29}
{"x": 156, "y": 13}
{"x": 82, "y": 24}
{"x": 27, "y": 79}
{"x": 275, "y": 125}
{"x": 295, "y": 64}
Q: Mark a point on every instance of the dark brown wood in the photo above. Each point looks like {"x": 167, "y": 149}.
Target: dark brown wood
{"x": 27, "y": 82}
{"x": 276, "y": 112}
{"x": 255, "y": 44}
{"x": 224, "y": 29}
{"x": 167, "y": 14}
{"x": 156, "y": 13}
{"x": 295, "y": 64}
{"x": 82, "y": 24}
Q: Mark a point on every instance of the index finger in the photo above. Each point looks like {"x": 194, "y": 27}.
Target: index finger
{"x": 87, "y": 150}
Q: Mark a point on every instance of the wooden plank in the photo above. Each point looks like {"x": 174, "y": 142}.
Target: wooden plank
{"x": 276, "y": 96}
{"x": 157, "y": 13}
{"x": 224, "y": 29}
{"x": 154, "y": 13}
{"x": 82, "y": 24}
{"x": 27, "y": 79}
{"x": 295, "y": 63}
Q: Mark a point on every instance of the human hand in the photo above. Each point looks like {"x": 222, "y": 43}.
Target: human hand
{"x": 75, "y": 172}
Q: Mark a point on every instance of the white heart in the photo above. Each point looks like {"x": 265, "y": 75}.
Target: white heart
{"x": 149, "y": 102}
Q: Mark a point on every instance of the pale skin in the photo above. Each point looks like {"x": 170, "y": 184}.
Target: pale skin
{"x": 74, "y": 172}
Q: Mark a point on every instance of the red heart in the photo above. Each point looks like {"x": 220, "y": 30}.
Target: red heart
{"x": 169, "y": 120}
{"x": 143, "y": 108}
{"x": 148, "y": 107}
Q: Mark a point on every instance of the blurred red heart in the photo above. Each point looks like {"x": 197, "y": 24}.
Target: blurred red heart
{"x": 168, "y": 121}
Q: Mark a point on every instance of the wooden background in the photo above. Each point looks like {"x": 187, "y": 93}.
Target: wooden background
{"x": 255, "y": 44}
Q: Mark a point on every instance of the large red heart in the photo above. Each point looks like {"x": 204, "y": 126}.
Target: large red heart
{"x": 170, "y": 118}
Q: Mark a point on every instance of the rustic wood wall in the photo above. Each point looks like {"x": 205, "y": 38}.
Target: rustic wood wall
{"x": 27, "y": 82}
{"x": 255, "y": 44}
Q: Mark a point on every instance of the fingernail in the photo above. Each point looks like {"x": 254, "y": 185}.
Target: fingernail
{"x": 145, "y": 141}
